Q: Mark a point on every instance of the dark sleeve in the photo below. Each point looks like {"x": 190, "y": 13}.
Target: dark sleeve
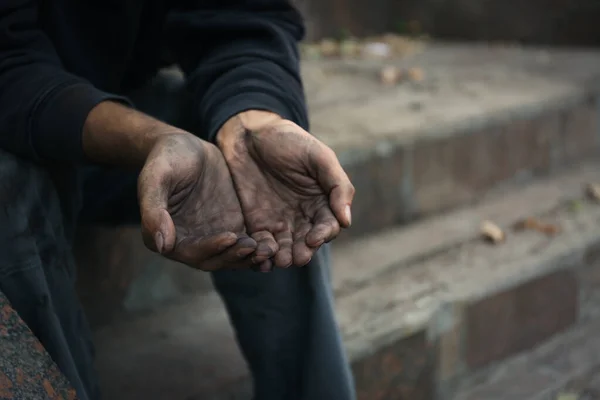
{"x": 42, "y": 107}
{"x": 238, "y": 55}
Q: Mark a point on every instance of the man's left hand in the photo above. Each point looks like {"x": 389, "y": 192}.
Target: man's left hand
{"x": 294, "y": 194}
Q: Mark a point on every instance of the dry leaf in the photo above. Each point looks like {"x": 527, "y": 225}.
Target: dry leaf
{"x": 492, "y": 232}
{"x": 534, "y": 224}
{"x": 593, "y": 191}
{"x": 390, "y": 75}
{"x": 329, "y": 48}
{"x": 415, "y": 74}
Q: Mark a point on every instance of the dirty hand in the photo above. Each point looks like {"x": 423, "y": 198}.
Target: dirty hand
{"x": 294, "y": 194}
{"x": 190, "y": 211}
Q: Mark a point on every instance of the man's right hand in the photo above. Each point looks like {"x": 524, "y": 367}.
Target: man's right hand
{"x": 190, "y": 211}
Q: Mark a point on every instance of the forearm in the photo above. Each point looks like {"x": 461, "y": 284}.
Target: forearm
{"x": 116, "y": 135}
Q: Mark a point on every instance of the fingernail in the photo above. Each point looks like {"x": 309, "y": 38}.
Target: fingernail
{"x": 348, "y": 215}
{"x": 159, "y": 241}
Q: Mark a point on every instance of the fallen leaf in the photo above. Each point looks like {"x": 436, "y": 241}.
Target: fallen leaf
{"x": 401, "y": 45}
{"x": 492, "y": 232}
{"x": 593, "y": 191}
{"x": 390, "y": 75}
{"x": 534, "y": 224}
{"x": 415, "y": 74}
{"x": 329, "y": 48}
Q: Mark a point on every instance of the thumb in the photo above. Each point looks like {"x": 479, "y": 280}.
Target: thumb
{"x": 158, "y": 229}
{"x": 333, "y": 180}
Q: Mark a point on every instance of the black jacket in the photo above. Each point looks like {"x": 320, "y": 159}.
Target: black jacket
{"x": 59, "y": 58}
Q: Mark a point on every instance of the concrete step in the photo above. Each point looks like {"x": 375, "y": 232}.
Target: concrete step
{"x": 420, "y": 307}
{"x": 564, "y": 367}
{"x": 481, "y": 118}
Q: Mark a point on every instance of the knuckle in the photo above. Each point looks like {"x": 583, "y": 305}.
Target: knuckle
{"x": 327, "y": 155}
{"x": 335, "y": 229}
{"x": 351, "y": 189}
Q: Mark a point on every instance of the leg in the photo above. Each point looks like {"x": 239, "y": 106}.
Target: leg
{"x": 37, "y": 268}
{"x": 285, "y": 324}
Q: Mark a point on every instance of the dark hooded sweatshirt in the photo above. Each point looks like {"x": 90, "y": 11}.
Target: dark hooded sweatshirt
{"x": 59, "y": 58}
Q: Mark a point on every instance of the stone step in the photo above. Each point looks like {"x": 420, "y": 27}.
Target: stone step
{"x": 481, "y": 118}
{"x": 419, "y": 310}
{"x": 564, "y": 367}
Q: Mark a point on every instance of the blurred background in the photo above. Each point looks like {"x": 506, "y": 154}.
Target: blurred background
{"x": 470, "y": 129}
{"x": 556, "y": 22}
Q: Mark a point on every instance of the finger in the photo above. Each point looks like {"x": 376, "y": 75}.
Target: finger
{"x": 325, "y": 228}
{"x": 266, "y": 246}
{"x": 158, "y": 229}
{"x": 335, "y": 182}
{"x": 266, "y": 266}
{"x": 234, "y": 257}
{"x": 301, "y": 252}
{"x": 198, "y": 251}
{"x": 285, "y": 241}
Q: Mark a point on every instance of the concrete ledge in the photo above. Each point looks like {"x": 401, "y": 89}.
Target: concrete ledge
{"x": 430, "y": 236}
{"x": 413, "y": 331}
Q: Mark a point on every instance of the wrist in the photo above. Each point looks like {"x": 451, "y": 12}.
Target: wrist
{"x": 235, "y": 127}
{"x": 117, "y": 135}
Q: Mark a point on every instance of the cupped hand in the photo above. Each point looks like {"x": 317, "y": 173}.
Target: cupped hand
{"x": 190, "y": 211}
{"x": 294, "y": 194}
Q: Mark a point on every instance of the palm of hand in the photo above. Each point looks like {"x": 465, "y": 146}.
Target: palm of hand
{"x": 200, "y": 221}
{"x": 204, "y": 203}
{"x": 286, "y": 209}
